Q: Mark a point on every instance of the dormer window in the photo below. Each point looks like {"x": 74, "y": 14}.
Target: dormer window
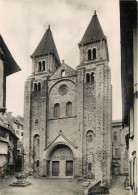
{"x": 63, "y": 73}
{"x": 89, "y": 54}
{"x": 94, "y": 53}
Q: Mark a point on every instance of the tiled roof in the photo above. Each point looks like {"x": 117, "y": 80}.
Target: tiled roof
{"x": 46, "y": 45}
{"x": 93, "y": 31}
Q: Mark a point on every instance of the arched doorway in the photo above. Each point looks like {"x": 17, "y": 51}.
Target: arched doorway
{"x": 60, "y": 162}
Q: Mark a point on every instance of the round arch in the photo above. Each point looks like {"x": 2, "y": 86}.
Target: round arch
{"x": 53, "y": 146}
{"x": 61, "y": 81}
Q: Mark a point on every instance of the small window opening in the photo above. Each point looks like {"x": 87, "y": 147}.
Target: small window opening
{"x": 44, "y": 65}
{"x": 89, "y": 54}
{"x": 39, "y": 66}
{"x": 94, "y": 54}
{"x": 90, "y": 138}
{"x": 37, "y": 163}
{"x": 68, "y": 109}
{"x": 57, "y": 110}
{"x": 63, "y": 73}
{"x": 39, "y": 86}
{"x": 35, "y": 87}
{"x": 87, "y": 77}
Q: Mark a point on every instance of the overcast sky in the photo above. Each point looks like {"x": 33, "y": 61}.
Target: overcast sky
{"x": 23, "y": 23}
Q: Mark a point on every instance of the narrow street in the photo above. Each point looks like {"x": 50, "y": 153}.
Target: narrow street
{"x": 56, "y": 186}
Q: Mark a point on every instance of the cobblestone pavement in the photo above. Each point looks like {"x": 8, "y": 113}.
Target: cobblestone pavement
{"x": 43, "y": 186}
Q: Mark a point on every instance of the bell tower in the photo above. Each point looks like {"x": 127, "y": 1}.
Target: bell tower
{"x": 93, "y": 46}
{"x": 45, "y": 59}
{"x": 94, "y": 103}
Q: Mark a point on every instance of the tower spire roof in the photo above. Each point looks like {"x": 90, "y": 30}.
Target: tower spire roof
{"x": 93, "y": 31}
{"x": 46, "y": 45}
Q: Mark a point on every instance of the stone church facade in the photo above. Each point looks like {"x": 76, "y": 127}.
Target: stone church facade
{"x": 67, "y": 112}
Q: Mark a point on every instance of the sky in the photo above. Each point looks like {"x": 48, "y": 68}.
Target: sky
{"x": 24, "y": 22}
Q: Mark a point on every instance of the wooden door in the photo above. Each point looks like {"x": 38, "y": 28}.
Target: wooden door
{"x": 69, "y": 168}
{"x": 55, "y": 168}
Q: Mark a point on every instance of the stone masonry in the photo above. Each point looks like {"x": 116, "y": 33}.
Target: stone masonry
{"x": 67, "y": 112}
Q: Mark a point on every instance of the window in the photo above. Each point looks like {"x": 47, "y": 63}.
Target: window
{"x": 39, "y": 86}
{"x": 92, "y": 76}
{"x": 63, "y": 73}
{"x": 36, "y": 122}
{"x": 68, "y": 109}
{"x": 37, "y": 142}
{"x": 22, "y": 134}
{"x": 35, "y": 87}
{"x": 44, "y": 65}
{"x": 39, "y": 66}
{"x": 116, "y": 152}
{"x": 18, "y": 126}
{"x": 89, "y": 166}
{"x": 89, "y": 54}
{"x": 115, "y": 135}
{"x": 87, "y": 77}
{"x": 94, "y": 54}
{"x": 37, "y": 163}
{"x": 90, "y": 138}
{"x": 57, "y": 110}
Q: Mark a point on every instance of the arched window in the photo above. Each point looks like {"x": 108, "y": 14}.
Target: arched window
{"x": 92, "y": 76}
{"x": 94, "y": 53}
{"x": 89, "y": 166}
{"x": 63, "y": 73}
{"x": 44, "y": 65}
{"x": 87, "y": 77}
{"x": 115, "y": 135}
{"x": 39, "y": 68}
{"x": 90, "y": 138}
{"x": 68, "y": 109}
{"x": 89, "y": 55}
{"x": 35, "y": 87}
{"x": 36, "y": 122}
{"x": 116, "y": 152}
{"x": 37, "y": 142}
{"x": 39, "y": 86}
{"x": 57, "y": 110}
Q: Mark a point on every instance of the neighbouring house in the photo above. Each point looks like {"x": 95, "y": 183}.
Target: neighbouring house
{"x": 16, "y": 124}
{"x": 8, "y": 140}
{"x": 129, "y": 82}
{"x": 120, "y": 164}
{"x": 68, "y": 112}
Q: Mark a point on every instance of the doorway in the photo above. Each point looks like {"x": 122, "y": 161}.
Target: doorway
{"x": 69, "y": 168}
{"x": 55, "y": 168}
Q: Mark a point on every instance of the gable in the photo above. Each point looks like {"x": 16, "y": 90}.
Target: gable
{"x": 64, "y": 67}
